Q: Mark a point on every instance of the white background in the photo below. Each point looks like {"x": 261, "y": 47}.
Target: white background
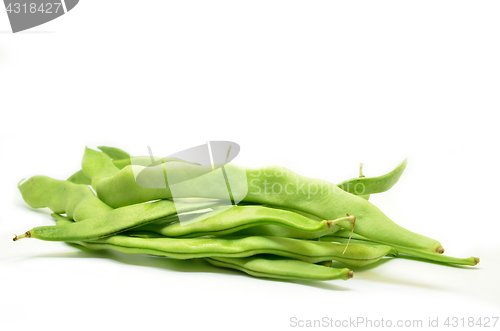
{"x": 317, "y": 86}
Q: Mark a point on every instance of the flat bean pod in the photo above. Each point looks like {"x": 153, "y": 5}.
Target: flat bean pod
{"x": 371, "y": 185}
{"x": 145, "y": 161}
{"x": 282, "y": 231}
{"x": 190, "y": 248}
{"x": 97, "y": 165}
{"x": 62, "y": 197}
{"x": 237, "y": 218}
{"x": 342, "y": 236}
{"x": 280, "y": 268}
{"x": 80, "y": 177}
{"x": 269, "y": 266}
{"x": 278, "y": 231}
{"x": 115, "y": 221}
{"x": 61, "y": 220}
{"x": 121, "y": 159}
{"x": 114, "y": 152}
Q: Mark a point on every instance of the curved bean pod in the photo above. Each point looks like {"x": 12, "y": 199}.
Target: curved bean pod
{"x": 114, "y": 152}
{"x": 279, "y": 268}
{"x": 189, "y": 248}
{"x": 80, "y": 177}
{"x": 97, "y": 165}
{"x": 145, "y": 161}
{"x": 278, "y": 231}
{"x": 371, "y": 185}
{"x": 270, "y": 266}
{"x": 281, "y": 231}
{"x": 436, "y": 257}
{"x": 314, "y": 196}
{"x": 237, "y": 218}
{"x": 61, "y": 220}
{"x": 115, "y": 221}
{"x": 121, "y": 159}
{"x": 62, "y": 197}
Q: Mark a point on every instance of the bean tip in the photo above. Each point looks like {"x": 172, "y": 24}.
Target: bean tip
{"x": 476, "y": 260}
{"x": 24, "y": 235}
{"x": 350, "y": 274}
{"x": 440, "y": 250}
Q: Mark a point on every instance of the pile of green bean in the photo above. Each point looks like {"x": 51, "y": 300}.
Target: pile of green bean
{"x": 282, "y": 234}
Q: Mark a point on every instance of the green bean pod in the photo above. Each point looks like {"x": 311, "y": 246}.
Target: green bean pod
{"x": 237, "y": 218}
{"x": 121, "y": 159}
{"x": 61, "y": 220}
{"x": 62, "y": 197}
{"x": 114, "y": 152}
{"x": 97, "y": 165}
{"x": 190, "y": 248}
{"x": 146, "y": 161}
{"x": 371, "y": 185}
{"x": 112, "y": 222}
{"x": 341, "y": 236}
{"x": 280, "y": 268}
{"x": 269, "y": 266}
{"x": 80, "y": 177}
{"x": 314, "y": 196}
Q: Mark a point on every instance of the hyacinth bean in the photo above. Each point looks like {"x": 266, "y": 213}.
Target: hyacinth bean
{"x": 115, "y": 221}
{"x": 314, "y": 196}
{"x": 280, "y": 268}
{"x": 189, "y": 248}
{"x": 342, "y": 235}
{"x": 62, "y": 197}
{"x": 237, "y": 218}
